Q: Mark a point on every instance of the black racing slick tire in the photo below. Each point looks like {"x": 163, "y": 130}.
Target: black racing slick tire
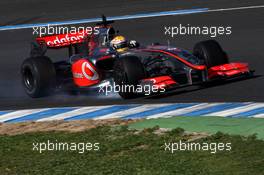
{"x": 38, "y": 76}
{"x": 211, "y": 52}
{"x": 128, "y": 71}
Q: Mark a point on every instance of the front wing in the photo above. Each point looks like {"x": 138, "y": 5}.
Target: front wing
{"x": 229, "y": 70}
{"x": 223, "y": 72}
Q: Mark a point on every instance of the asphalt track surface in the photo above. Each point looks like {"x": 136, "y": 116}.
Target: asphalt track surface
{"x": 245, "y": 44}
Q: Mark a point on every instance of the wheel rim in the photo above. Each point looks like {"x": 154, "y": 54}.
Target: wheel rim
{"x": 29, "y": 79}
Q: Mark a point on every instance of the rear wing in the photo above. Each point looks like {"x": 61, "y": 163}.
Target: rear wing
{"x": 75, "y": 42}
{"x": 62, "y": 40}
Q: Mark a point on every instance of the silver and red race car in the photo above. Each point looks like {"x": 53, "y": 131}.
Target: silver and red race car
{"x": 92, "y": 63}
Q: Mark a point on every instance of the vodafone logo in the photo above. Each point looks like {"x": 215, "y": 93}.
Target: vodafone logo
{"x": 86, "y": 65}
{"x": 65, "y": 40}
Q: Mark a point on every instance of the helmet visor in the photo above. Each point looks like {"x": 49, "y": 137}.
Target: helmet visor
{"x": 120, "y": 45}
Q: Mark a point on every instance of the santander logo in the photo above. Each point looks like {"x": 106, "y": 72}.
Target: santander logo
{"x": 86, "y": 65}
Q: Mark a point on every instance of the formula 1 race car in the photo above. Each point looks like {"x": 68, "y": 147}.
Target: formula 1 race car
{"x": 93, "y": 64}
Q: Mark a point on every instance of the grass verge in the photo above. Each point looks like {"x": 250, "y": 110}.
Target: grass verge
{"x": 238, "y": 126}
{"x": 129, "y": 151}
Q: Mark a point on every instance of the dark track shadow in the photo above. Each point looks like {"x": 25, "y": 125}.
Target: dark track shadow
{"x": 20, "y": 21}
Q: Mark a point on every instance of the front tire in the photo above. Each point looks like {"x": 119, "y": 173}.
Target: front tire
{"x": 128, "y": 71}
{"x": 211, "y": 52}
{"x": 38, "y": 76}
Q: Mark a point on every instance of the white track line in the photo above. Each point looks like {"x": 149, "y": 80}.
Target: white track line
{"x": 235, "y": 8}
{"x": 258, "y": 116}
{"x": 127, "y": 17}
{"x": 236, "y": 110}
{"x": 20, "y": 113}
{"x": 79, "y": 111}
{"x": 131, "y": 111}
{"x": 181, "y": 111}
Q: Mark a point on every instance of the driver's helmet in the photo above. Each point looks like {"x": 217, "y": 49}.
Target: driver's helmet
{"x": 119, "y": 43}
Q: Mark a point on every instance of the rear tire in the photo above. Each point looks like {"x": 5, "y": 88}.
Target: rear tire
{"x": 128, "y": 70}
{"x": 38, "y": 76}
{"x": 211, "y": 52}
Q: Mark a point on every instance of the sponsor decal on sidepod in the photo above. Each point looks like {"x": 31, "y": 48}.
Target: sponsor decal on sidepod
{"x": 84, "y": 73}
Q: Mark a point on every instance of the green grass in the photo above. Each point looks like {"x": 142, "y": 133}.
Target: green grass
{"x": 124, "y": 151}
{"x": 238, "y": 126}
